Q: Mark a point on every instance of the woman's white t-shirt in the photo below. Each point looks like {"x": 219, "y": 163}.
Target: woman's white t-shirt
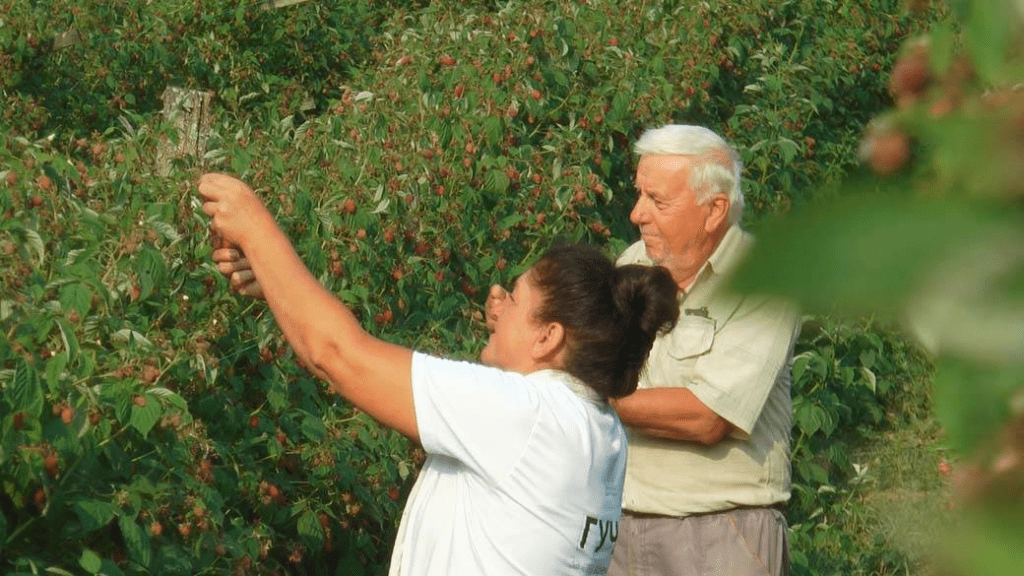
{"x": 523, "y": 475}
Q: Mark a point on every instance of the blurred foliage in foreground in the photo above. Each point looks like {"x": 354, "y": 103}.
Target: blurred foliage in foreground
{"x": 937, "y": 244}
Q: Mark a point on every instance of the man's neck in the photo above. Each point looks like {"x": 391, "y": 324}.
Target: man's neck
{"x": 704, "y": 250}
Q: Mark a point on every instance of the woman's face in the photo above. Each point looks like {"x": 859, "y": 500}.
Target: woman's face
{"x": 516, "y": 328}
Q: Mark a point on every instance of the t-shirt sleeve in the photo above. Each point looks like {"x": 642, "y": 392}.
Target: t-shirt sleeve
{"x": 636, "y": 253}
{"x": 481, "y": 416}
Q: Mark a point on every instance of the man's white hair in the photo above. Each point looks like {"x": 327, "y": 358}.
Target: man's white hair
{"x": 716, "y": 166}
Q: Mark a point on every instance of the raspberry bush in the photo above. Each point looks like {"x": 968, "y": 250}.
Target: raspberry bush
{"x": 152, "y": 422}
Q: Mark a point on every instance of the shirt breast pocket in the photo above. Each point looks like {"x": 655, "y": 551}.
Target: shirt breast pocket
{"x": 692, "y": 336}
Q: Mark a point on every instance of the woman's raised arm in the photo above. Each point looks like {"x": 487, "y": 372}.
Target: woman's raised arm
{"x": 373, "y": 375}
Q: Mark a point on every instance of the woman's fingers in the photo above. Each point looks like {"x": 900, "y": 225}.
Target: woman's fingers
{"x": 225, "y": 255}
{"x": 492, "y": 307}
{"x": 227, "y": 267}
{"x": 224, "y": 200}
{"x": 252, "y": 289}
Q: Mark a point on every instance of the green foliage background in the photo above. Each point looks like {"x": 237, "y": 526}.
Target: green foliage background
{"x": 151, "y": 422}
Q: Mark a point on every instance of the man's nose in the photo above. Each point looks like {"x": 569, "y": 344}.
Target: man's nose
{"x": 638, "y": 215}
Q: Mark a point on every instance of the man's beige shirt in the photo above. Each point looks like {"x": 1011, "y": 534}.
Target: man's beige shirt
{"x": 734, "y": 353}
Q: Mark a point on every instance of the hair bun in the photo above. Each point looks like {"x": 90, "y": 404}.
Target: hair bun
{"x": 646, "y": 295}
{"x": 611, "y": 314}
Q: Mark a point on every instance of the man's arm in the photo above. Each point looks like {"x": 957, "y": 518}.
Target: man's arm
{"x": 673, "y": 414}
{"x": 748, "y": 358}
{"x": 750, "y": 351}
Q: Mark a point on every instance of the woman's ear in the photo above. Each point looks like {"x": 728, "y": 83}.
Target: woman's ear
{"x": 549, "y": 342}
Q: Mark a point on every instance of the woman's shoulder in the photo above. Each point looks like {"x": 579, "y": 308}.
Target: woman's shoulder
{"x": 461, "y": 376}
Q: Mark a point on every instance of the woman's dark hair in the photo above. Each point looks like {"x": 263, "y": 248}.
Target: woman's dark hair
{"x": 611, "y": 314}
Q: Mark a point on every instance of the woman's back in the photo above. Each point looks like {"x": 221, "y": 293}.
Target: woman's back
{"x": 524, "y": 474}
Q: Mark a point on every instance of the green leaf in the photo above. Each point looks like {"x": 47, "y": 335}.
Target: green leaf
{"x": 313, "y": 428}
{"x": 497, "y": 182}
{"x": 277, "y": 396}
{"x": 867, "y": 358}
{"x": 76, "y": 296}
{"x": 658, "y": 66}
{"x": 310, "y": 530}
{"x": 129, "y": 337}
{"x": 94, "y": 514}
{"x": 799, "y": 365}
{"x": 26, "y": 393}
{"x": 846, "y": 373}
{"x": 54, "y": 368}
{"x": 35, "y": 243}
{"x": 67, "y": 335}
{"x": 143, "y": 418}
{"x": 90, "y": 561}
{"x": 620, "y": 105}
{"x": 510, "y": 221}
{"x": 809, "y": 418}
{"x": 174, "y": 560}
{"x": 365, "y": 437}
{"x": 493, "y": 130}
{"x": 558, "y": 78}
{"x": 869, "y": 379}
{"x": 789, "y": 149}
{"x": 146, "y": 283}
{"x": 136, "y": 540}
{"x": 942, "y": 39}
{"x": 170, "y": 397}
{"x": 813, "y": 472}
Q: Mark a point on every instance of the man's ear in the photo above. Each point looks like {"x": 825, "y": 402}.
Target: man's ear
{"x": 549, "y": 342}
{"x": 718, "y": 212}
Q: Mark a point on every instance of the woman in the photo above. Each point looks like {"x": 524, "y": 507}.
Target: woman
{"x": 525, "y": 456}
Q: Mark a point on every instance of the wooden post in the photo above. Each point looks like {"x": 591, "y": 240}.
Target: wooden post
{"x": 273, "y": 4}
{"x": 66, "y": 39}
{"x": 189, "y": 111}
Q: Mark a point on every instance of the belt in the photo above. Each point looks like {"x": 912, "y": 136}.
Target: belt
{"x": 780, "y": 506}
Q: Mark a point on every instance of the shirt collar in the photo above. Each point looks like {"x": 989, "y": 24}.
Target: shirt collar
{"x": 727, "y": 254}
{"x": 569, "y": 381}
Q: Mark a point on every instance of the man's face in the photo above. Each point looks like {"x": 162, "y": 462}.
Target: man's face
{"x": 671, "y": 223}
{"x": 515, "y": 329}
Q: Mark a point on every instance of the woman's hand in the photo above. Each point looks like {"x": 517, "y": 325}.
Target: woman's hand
{"x": 236, "y": 213}
{"x": 496, "y": 299}
{"x": 233, "y": 264}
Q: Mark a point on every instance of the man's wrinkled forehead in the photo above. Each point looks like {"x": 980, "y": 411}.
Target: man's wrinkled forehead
{"x": 692, "y": 166}
{"x": 654, "y": 169}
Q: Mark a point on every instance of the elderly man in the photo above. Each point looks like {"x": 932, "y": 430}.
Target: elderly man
{"x": 708, "y": 467}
